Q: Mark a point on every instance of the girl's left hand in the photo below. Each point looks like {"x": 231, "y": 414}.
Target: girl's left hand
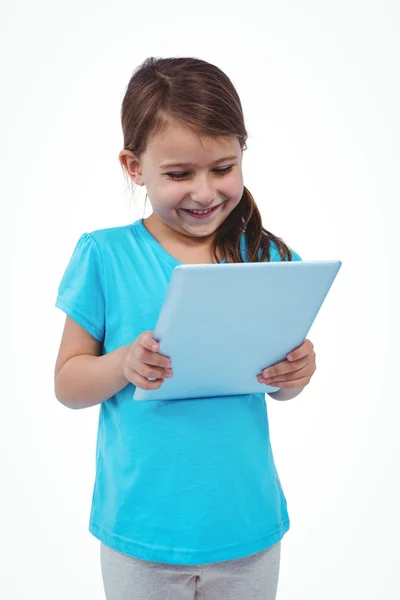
{"x": 295, "y": 372}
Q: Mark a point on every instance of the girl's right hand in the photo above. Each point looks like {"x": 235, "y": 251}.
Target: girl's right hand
{"x": 142, "y": 361}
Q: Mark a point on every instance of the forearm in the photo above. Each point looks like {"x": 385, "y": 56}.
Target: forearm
{"x": 87, "y": 380}
{"x": 286, "y": 394}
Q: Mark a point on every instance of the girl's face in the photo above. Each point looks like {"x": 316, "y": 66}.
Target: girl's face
{"x": 193, "y": 183}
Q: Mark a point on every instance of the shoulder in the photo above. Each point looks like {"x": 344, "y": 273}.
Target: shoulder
{"x": 96, "y": 248}
{"x": 110, "y": 236}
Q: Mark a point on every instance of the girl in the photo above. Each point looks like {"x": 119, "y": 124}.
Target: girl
{"x": 187, "y": 502}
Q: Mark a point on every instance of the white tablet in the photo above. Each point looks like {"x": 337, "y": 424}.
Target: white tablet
{"x": 222, "y": 324}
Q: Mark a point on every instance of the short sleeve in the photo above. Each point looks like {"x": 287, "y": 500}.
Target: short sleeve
{"x": 81, "y": 291}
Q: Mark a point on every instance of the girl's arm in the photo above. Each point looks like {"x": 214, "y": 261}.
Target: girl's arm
{"x": 83, "y": 377}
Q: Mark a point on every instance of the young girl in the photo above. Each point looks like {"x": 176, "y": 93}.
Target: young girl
{"x": 187, "y": 502}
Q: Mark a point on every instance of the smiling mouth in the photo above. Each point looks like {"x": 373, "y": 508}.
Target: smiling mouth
{"x": 201, "y": 213}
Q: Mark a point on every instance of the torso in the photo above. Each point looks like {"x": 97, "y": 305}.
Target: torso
{"x": 181, "y": 481}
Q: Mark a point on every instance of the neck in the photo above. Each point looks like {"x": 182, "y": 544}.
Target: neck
{"x": 183, "y": 247}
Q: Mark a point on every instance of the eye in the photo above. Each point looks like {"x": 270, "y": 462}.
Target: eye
{"x": 177, "y": 176}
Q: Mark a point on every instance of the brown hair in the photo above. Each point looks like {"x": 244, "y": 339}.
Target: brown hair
{"x": 200, "y": 96}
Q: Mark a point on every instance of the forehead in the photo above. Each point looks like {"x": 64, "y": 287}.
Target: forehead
{"x": 180, "y": 145}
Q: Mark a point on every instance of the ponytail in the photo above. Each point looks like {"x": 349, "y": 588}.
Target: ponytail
{"x": 246, "y": 218}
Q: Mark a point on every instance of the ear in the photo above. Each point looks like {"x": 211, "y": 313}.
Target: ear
{"x": 132, "y": 166}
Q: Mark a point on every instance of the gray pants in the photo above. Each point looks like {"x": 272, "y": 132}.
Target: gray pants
{"x": 253, "y": 577}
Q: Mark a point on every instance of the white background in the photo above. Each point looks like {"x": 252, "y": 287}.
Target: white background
{"x": 320, "y": 87}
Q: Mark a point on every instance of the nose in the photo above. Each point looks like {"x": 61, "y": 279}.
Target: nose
{"x": 203, "y": 192}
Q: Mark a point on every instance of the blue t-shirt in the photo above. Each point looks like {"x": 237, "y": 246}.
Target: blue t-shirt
{"x": 181, "y": 482}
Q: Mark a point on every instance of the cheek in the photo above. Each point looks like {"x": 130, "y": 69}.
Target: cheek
{"x": 233, "y": 188}
{"x": 165, "y": 197}
{"x": 172, "y": 198}
{"x": 168, "y": 198}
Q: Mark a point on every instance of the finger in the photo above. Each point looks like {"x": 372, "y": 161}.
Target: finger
{"x": 153, "y": 358}
{"x": 151, "y": 372}
{"x": 142, "y": 382}
{"x": 147, "y": 341}
{"x": 297, "y": 383}
{"x": 284, "y": 367}
{"x": 306, "y": 348}
{"x": 282, "y": 377}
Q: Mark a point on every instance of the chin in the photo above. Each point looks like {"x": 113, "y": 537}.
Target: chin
{"x": 203, "y": 229}
{"x": 202, "y": 233}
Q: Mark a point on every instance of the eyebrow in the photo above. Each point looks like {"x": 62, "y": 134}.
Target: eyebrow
{"x": 216, "y": 162}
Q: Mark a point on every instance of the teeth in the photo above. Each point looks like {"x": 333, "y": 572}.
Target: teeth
{"x": 201, "y": 212}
